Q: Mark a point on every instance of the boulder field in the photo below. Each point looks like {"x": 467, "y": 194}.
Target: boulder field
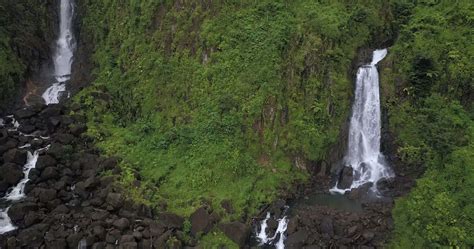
{"x": 70, "y": 202}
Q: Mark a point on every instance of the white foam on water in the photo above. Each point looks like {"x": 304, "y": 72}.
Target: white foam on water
{"x": 5, "y": 222}
{"x": 53, "y": 93}
{"x": 18, "y": 192}
{"x": 24, "y": 146}
{"x": 282, "y": 225}
{"x": 262, "y": 236}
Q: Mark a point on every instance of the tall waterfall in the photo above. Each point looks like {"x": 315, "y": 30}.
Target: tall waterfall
{"x": 63, "y": 56}
{"x": 363, "y": 153}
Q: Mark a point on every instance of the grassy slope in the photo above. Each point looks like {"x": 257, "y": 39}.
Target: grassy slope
{"x": 430, "y": 108}
{"x": 215, "y": 101}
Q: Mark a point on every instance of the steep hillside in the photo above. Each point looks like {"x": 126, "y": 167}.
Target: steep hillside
{"x": 428, "y": 92}
{"x": 212, "y": 102}
{"x": 26, "y": 33}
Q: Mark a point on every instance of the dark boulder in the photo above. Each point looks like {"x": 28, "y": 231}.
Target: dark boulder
{"x": 59, "y": 151}
{"x": 368, "y": 235}
{"x": 32, "y": 237}
{"x": 345, "y": 178}
{"x": 45, "y": 161}
{"x": 277, "y": 207}
{"x": 47, "y": 195}
{"x": 200, "y": 221}
{"x": 31, "y": 218}
{"x": 326, "y": 226}
{"x": 100, "y": 245}
{"x": 49, "y": 173}
{"x": 4, "y": 186}
{"x": 74, "y": 239}
{"x": 156, "y": 229}
{"x": 10, "y": 144}
{"x": 297, "y": 240}
{"x": 11, "y": 173}
{"x": 127, "y": 238}
{"x": 3, "y": 136}
{"x": 272, "y": 224}
{"x": 236, "y": 231}
{"x": 160, "y": 242}
{"x": 351, "y": 231}
{"x": 56, "y": 244}
{"x": 51, "y": 110}
{"x": 24, "y": 114}
{"x": 121, "y": 224}
{"x": 78, "y": 129}
{"x": 113, "y": 236}
{"x": 99, "y": 214}
{"x": 115, "y": 200}
{"x": 361, "y": 192}
{"x": 36, "y": 143}
{"x": 15, "y": 156}
{"x": 170, "y": 220}
{"x": 64, "y": 138}
{"x": 61, "y": 209}
{"x": 18, "y": 211}
{"x": 99, "y": 232}
{"x": 109, "y": 163}
{"x": 26, "y": 128}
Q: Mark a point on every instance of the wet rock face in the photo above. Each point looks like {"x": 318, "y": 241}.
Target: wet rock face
{"x": 345, "y": 178}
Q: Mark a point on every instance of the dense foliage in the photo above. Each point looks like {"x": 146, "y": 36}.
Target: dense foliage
{"x": 206, "y": 98}
{"x": 25, "y": 30}
{"x": 429, "y": 91}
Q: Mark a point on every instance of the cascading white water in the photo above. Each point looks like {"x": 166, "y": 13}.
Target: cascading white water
{"x": 262, "y": 236}
{"x": 18, "y": 192}
{"x": 363, "y": 155}
{"x": 65, "y": 46}
{"x": 5, "y": 222}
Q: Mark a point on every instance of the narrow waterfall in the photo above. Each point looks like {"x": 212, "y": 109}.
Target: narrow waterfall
{"x": 263, "y": 237}
{"x": 363, "y": 149}
{"x": 63, "y": 56}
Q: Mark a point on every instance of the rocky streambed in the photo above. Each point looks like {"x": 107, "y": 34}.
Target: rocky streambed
{"x": 319, "y": 219}
{"x": 69, "y": 202}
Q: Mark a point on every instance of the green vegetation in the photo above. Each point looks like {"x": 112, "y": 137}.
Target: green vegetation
{"x": 24, "y": 32}
{"x": 217, "y": 101}
{"x": 431, "y": 113}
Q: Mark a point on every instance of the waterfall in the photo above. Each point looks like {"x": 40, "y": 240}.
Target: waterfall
{"x": 264, "y": 239}
{"x": 363, "y": 149}
{"x": 63, "y": 56}
{"x": 18, "y": 192}
{"x": 5, "y": 222}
